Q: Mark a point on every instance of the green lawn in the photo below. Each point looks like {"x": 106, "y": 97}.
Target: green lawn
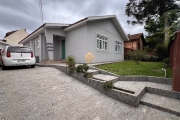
{"x": 128, "y": 68}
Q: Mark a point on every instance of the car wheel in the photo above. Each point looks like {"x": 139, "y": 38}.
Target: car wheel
{"x": 32, "y": 66}
{"x": 3, "y": 67}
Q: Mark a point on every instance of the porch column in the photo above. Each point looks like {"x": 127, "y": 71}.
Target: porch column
{"x": 49, "y": 45}
{"x": 40, "y": 41}
{"x": 50, "y": 50}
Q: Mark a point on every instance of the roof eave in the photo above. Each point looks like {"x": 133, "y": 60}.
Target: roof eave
{"x": 35, "y": 34}
{"x": 76, "y": 25}
{"x": 121, "y": 30}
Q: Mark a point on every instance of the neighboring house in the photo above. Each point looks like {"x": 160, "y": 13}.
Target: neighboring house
{"x": 2, "y": 45}
{"x": 14, "y": 37}
{"x": 103, "y": 36}
{"x": 136, "y": 42}
{"x": 174, "y": 55}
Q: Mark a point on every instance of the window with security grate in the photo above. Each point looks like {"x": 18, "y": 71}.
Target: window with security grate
{"x": 102, "y": 42}
{"x": 118, "y": 47}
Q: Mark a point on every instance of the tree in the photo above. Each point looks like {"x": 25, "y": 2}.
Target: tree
{"x": 144, "y": 10}
{"x": 171, "y": 23}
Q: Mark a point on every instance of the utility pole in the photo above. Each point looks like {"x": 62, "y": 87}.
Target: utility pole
{"x": 41, "y": 11}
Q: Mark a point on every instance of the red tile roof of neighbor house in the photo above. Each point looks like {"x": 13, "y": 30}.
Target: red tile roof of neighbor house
{"x": 135, "y": 36}
{"x": 9, "y": 33}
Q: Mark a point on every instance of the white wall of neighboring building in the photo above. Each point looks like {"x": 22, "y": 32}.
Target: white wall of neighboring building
{"x": 16, "y": 37}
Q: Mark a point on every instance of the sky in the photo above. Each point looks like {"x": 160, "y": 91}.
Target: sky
{"x": 17, "y": 14}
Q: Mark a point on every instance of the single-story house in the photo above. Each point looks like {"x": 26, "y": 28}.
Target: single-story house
{"x": 136, "y": 42}
{"x": 103, "y": 36}
{"x": 3, "y": 44}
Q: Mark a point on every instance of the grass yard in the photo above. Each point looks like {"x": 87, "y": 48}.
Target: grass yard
{"x": 128, "y": 68}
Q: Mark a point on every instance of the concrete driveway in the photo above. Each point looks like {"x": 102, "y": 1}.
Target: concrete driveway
{"x": 46, "y": 93}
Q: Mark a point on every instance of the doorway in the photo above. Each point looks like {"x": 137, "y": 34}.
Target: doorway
{"x": 63, "y": 49}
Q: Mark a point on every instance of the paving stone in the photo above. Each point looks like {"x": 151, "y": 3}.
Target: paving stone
{"x": 160, "y": 102}
{"x": 105, "y": 77}
{"x": 91, "y": 70}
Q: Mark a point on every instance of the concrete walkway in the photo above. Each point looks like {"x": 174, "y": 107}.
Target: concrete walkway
{"x": 163, "y": 103}
{"x": 137, "y": 86}
{"x": 46, "y": 93}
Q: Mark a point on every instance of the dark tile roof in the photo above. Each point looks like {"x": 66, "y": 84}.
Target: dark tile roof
{"x": 9, "y": 33}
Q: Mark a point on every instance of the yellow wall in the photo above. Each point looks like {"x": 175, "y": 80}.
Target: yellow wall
{"x": 16, "y": 37}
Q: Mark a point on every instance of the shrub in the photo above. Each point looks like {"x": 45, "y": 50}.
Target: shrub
{"x": 141, "y": 56}
{"x": 135, "y": 55}
{"x": 149, "y": 58}
{"x": 71, "y": 61}
{"x": 108, "y": 85}
{"x": 85, "y": 67}
{"x": 161, "y": 52}
{"x": 167, "y": 61}
{"x": 148, "y": 49}
{"x": 79, "y": 68}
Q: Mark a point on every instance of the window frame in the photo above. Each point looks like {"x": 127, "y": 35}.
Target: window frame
{"x": 37, "y": 43}
{"x": 103, "y": 44}
{"x": 120, "y": 45}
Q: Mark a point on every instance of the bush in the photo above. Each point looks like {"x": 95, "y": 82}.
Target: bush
{"x": 82, "y": 68}
{"x": 79, "y": 68}
{"x": 148, "y": 49}
{"x": 71, "y": 61}
{"x": 161, "y": 52}
{"x": 141, "y": 56}
{"x": 108, "y": 85}
{"x": 85, "y": 67}
{"x": 167, "y": 61}
{"x": 150, "y": 58}
{"x": 135, "y": 55}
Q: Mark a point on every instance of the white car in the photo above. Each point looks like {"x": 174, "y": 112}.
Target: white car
{"x": 17, "y": 56}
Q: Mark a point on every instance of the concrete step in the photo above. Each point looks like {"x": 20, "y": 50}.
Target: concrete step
{"x": 106, "y": 77}
{"x": 166, "y": 104}
{"x": 94, "y": 72}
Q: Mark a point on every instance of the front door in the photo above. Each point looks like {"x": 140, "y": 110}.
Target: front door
{"x": 63, "y": 49}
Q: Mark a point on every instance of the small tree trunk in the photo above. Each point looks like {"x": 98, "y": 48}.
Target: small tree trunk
{"x": 166, "y": 37}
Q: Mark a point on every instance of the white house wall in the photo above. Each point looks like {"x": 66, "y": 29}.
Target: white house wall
{"x": 106, "y": 25}
{"x": 76, "y": 43}
{"x": 105, "y": 28}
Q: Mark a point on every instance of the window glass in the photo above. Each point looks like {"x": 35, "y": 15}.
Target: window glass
{"x": 16, "y": 49}
{"x": 102, "y": 42}
{"x": 118, "y": 47}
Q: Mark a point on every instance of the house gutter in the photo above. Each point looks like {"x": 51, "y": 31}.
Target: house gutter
{"x": 30, "y": 35}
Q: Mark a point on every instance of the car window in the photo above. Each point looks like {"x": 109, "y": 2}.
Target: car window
{"x": 15, "y": 49}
